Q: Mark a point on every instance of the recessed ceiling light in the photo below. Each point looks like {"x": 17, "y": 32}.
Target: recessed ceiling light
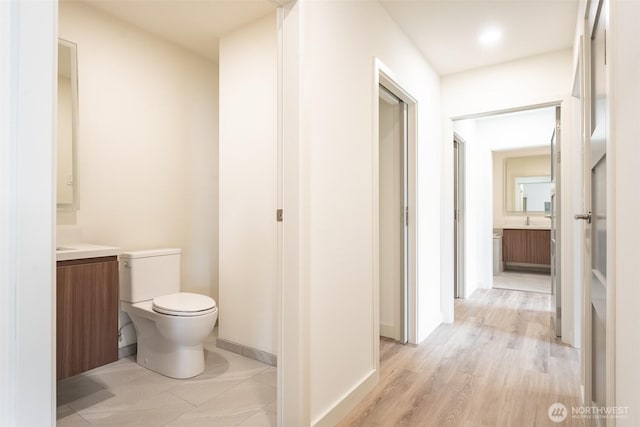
{"x": 490, "y": 36}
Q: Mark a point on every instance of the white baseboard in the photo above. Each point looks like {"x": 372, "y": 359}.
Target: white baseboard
{"x": 341, "y": 408}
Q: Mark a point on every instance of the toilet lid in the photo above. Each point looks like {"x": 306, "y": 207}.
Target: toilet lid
{"x": 184, "y": 304}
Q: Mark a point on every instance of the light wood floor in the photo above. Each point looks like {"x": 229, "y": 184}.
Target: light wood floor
{"x": 498, "y": 364}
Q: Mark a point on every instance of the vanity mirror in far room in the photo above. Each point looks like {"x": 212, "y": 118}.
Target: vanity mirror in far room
{"x": 66, "y": 182}
{"x": 527, "y": 181}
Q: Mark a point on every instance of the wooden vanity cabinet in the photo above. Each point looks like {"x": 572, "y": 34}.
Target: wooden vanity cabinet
{"x": 526, "y": 246}
{"x": 87, "y": 314}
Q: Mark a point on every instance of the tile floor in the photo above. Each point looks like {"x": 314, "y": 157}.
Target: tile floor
{"x": 523, "y": 281}
{"x": 232, "y": 391}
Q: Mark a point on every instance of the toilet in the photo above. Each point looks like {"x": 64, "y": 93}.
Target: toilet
{"x": 171, "y": 325}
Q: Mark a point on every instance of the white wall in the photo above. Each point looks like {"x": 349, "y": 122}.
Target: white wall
{"x": 341, "y": 39}
{"x": 27, "y": 203}
{"x": 536, "y": 80}
{"x": 147, "y": 146}
{"x": 248, "y": 185}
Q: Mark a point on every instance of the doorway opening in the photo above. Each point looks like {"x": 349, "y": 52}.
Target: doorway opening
{"x": 393, "y": 215}
{"x": 394, "y": 211}
{"x": 458, "y": 216}
{"x": 506, "y": 170}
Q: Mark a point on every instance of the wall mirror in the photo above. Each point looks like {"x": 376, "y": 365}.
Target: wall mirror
{"x": 528, "y": 184}
{"x": 66, "y": 182}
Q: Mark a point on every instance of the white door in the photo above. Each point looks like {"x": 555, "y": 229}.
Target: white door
{"x": 595, "y": 245}
{"x": 393, "y": 216}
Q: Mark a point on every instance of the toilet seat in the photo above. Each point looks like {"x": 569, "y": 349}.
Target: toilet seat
{"x": 184, "y": 304}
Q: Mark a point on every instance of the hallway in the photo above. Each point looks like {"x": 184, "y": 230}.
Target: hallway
{"x": 497, "y": 365}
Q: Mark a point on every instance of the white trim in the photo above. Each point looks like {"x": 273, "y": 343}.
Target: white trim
{"x": 585, "y": 170}
{"x": 348, "y": 401}
{"x": 29, "y": 82}
{"x": 293, "y": 345}
{"x": 611, "y": 8}
{"x": 8, "y": 242}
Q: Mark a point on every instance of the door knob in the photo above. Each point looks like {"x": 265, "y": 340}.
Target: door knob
{"x": 584, "y": 216}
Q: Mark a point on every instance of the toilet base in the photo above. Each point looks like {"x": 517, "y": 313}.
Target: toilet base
{"x": 171, "y": 361}
{"x": 170, "y": 345}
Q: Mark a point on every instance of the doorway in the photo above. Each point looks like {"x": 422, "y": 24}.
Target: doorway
{"x": 502, "y": 183}
{"x": 458, "y": 216}
{"x": 393, "y": 215}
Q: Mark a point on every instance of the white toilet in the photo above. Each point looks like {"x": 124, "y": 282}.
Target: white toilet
{"x": 171, "y": 325}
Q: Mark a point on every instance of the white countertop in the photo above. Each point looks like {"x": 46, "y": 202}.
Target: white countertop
{"x": 69, "y": 251}
{"x": 527, "y": 227}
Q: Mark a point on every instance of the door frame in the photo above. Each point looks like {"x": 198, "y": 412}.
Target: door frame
{"x": 459, "y": 199}
{"x": 556, "y": 223}
{"x": 400, "y": 333}
{"x": 385, "y": 77}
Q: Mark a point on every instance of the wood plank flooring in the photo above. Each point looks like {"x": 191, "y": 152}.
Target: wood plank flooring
{"x": 498, "y": 364}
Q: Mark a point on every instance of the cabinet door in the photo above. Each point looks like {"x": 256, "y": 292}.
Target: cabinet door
{"x": 87, "y": 315}
{"x": 526, "y": 246}
{"x": 539, "y": 244}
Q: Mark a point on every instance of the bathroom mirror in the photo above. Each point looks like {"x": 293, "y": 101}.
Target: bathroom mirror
{"x": 66, "y": 182}
{"x": 528, "y": 184}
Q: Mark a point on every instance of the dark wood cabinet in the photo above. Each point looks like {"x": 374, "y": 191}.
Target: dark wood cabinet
{"x": 526, "y": 246}
{"x": 87, "y": 314}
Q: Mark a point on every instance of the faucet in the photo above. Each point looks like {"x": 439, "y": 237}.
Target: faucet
{"x": 527, "y": 222}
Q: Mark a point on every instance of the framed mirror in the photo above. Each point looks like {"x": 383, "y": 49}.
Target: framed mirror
{"x": 528, "y": 184}
{"x": 66, "y": 182}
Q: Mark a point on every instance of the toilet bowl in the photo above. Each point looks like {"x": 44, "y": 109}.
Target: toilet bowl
{"x": 170, "y": 325}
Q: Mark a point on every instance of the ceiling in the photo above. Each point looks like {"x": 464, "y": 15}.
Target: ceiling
{"x": 195, "y": 25}
{"x": 447, "y": 31}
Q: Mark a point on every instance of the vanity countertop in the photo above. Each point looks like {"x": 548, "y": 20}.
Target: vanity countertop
{"x": 66, "y": 252}
{"x": 527, "y": 227}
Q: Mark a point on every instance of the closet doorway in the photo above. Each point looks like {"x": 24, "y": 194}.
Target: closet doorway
{"x": 394, "y": 215}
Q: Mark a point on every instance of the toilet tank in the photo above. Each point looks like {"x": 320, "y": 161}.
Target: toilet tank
{"x": 147, "y": 274}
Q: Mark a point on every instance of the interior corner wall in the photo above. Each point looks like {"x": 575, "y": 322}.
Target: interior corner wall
{"x": 341, "y": 40}
{"x": 147, "y": 145}
{"x": 248, "y": 185}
